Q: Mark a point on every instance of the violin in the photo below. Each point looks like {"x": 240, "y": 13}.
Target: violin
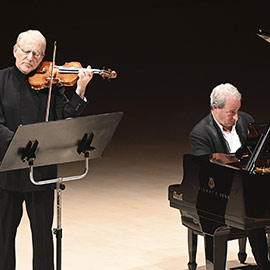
{"x": 66, "y": 75}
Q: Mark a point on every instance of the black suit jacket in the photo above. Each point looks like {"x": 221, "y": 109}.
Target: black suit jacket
{"x": 21, "y": 105}
{"x": 206, "y": 137}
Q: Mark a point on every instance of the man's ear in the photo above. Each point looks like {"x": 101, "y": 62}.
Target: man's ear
{"x": 15, "y": 48}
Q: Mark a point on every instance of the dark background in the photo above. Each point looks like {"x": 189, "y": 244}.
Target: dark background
{"x": 168, "y": 58}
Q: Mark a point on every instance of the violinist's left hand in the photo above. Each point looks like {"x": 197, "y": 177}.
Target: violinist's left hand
{"x": 85, "y": 76}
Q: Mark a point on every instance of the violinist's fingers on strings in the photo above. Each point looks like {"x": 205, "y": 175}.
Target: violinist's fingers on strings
{"x": 89, "y": 71}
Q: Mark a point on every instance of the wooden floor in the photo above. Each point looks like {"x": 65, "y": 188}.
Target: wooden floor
{"x": 118, "y": 217}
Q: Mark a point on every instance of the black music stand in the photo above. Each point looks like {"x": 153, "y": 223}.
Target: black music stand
{"x": 58, "y": 142}
{"x": 261, "y": 148}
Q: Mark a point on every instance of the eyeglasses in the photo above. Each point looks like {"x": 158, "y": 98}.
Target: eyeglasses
{"x": 35, "y": 54}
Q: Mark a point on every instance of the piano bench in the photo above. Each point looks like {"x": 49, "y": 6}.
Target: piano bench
{"x": 194, "y": 230}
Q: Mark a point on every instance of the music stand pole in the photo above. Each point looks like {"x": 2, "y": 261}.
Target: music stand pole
{"x": 58, "y": 230}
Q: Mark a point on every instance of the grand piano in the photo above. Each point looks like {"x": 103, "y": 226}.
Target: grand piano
{"x": 222, "y": 196}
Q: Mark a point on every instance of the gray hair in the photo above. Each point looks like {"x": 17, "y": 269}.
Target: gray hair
{"x": 220, "y": 92}
{"x": 34, "y": 34}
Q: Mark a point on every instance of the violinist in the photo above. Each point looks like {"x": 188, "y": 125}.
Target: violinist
{"x": 20, "y": 104}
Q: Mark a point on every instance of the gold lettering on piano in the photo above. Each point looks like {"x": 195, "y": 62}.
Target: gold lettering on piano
{"x": 212, "y": 192}
{"x": 178, "y": 197}
{"x": 211, "y": 182}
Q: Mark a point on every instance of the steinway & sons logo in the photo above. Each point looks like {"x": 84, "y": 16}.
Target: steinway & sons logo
{"x": 211, "y": 182}
{"x": 211, "y": 190}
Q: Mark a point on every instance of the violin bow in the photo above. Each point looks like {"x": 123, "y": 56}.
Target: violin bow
{"x": 51, "y": 83}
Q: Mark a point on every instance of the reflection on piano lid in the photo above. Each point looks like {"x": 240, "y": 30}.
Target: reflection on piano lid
{"x": 254, "y": 155}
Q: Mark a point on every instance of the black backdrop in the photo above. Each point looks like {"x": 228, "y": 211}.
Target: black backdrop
{"x": 168, "y": 57}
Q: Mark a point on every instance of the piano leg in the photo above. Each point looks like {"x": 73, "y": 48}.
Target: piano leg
{"x": 192, "y": 249}
{"x": 242, "y": 255}
{"x": 216, "y": 250}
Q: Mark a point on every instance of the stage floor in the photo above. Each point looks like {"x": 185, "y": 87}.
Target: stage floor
{"x": 118, "y": 217}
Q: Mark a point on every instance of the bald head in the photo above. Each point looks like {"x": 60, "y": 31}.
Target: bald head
{"x": 35, "y": 35}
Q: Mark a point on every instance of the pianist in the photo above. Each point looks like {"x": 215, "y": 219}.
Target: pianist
{"x": 224, "y": 130}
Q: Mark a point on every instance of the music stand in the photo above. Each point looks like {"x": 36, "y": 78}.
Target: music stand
{"x": 57, "y": 142}
{"x": 261, "y": 148}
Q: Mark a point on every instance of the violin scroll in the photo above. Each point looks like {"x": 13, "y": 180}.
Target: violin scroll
{"x": 110, "y": 74}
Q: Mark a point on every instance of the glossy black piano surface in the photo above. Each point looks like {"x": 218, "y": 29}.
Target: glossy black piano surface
{"x": 223, "y": 193}
{"x": 217, "y": 195}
